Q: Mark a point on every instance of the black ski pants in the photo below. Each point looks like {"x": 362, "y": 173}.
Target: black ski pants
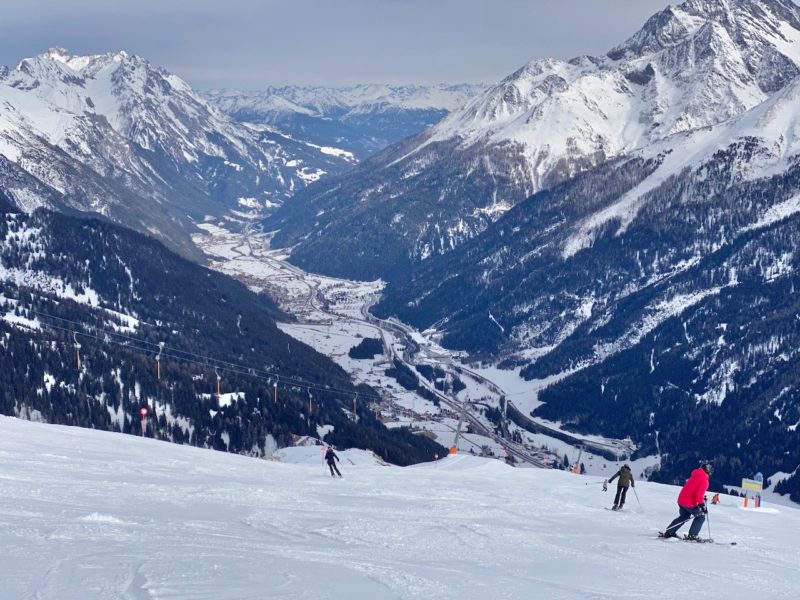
{"x": 619, "y": 499}
{"x": 695, "y": 513}
{"x": 333, "y": 468}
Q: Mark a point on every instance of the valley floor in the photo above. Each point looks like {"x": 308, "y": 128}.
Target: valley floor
{"x": 333, "y": 316}
{"x": 93, "y": 515}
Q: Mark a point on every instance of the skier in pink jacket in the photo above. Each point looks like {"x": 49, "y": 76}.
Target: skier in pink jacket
{"x": 691, "y": 502}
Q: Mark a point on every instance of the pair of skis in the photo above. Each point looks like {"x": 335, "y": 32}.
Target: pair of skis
{"x": 686, "y": 538}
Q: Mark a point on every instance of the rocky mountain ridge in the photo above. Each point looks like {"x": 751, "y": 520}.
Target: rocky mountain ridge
{"x": 113, "y": 135}
{"x": 692, "y": 66}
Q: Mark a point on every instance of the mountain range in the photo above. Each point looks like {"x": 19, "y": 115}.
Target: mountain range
{"x": 362, "y": 119}
{"x": 625, "y": 226}
{"x": 692, "y": 66}
{"x": 85, "y": 140}
{"x": 113, "y": 135}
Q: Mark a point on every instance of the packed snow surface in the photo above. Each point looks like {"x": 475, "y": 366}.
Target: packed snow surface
{"x": 87, "y": 514}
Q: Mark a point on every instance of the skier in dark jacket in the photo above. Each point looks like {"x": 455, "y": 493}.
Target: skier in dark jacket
{"x": 330, "y": 457}
{"x": 691, "y": 503}
{"x": 625, "y": 480}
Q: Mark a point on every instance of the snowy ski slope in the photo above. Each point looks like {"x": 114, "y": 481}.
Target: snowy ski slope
{"x": 93, "y": 515}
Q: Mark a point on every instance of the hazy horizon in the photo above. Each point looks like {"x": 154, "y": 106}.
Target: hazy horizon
{"x": 247, "y": 45}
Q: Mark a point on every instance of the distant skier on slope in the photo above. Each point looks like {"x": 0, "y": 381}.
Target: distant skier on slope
{"x": 625, "y": 480}
{"x": 330, "y": 458}
{"x": 691, "y": 502}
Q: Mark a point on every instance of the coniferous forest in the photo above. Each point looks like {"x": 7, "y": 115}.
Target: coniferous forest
{"x": 120, "y": 295}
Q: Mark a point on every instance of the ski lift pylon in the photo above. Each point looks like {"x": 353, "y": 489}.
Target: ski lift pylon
{"x": 77, "y": 350}
{"x": 158, "y": 360}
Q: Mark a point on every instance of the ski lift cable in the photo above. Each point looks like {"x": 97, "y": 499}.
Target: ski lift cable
{"x": 166, "y": 352}
{"x": 237, "y": 370}
{"x": 160, "y": 345}
{"x": 233, "y": 368}
{"x": 171, "y": 351}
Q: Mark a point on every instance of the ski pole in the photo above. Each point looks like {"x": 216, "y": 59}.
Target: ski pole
{"x": 637, "y": 498}
{"x": 604, "y": 484}
{"x": 682, "y": 523}
{"x": 708, "y": 522}
{"x": 679, "y": 525}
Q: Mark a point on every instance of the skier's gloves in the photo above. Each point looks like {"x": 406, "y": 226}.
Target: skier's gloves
{"x": 703, "y": 507}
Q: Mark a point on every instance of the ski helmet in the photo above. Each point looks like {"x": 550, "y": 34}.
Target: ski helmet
{"x": 708, "y": 468}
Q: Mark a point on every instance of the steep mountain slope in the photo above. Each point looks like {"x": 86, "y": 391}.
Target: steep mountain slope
{"x": 746, "y": 167}
{"x": 362, "y": 119}
{"x": 666, "y": 280}
{"x": 114, "y": 135}
{"x": 119, "y": 294}
{"x": 691, "y": 66}
{"x": 658, "y": 289}
{"x": 689, "y": 313}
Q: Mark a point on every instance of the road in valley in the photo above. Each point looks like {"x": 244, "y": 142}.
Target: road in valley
{"x": 316, "y": 302}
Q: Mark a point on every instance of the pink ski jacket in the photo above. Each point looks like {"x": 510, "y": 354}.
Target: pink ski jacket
{"x": 694, "y": 489}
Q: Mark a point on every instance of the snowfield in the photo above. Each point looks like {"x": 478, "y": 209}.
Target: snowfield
{"x": 94, "y": 515}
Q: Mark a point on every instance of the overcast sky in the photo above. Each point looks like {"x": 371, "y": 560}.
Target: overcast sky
{"x": 249, "y": 44}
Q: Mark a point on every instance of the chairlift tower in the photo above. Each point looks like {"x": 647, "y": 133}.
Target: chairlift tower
{"x": 454, "y": 447}
{"x": 158, "y": 360}
{"x": 77, "y": 350}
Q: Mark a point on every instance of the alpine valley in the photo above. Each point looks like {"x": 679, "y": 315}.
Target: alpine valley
{"x": 616, "y": 234}
{"x": 624, "y": 227}
{"x": 588, "y": 271}
{"x": 89, "y": 144}
{"x": 98, "y": 321}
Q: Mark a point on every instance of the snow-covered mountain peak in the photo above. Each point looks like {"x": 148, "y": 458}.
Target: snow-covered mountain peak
{"x": 662, "y": 30}
{"x": 361, "y": 118}
{"x": 80, "y": 62}
{"x": 136, "y": 134}
{"x": 747, "y": 21}
{"x": 59, "y": 54}
{"x": 139, "y": 101}
{"x": 60, "y": 60}
{"x": 100, "y": 74}
{"x": 32, "y": 72}
{"x": 691, "y": 66}
{"x": 327, "y": 101}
